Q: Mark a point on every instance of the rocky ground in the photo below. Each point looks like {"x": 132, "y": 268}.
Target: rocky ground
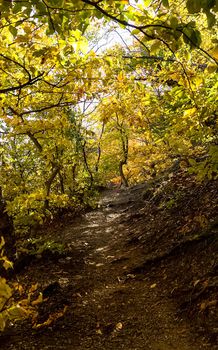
{"x": 138, "y": 272}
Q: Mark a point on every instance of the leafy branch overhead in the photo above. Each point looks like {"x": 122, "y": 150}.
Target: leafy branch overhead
{"x": 154, "y": 20}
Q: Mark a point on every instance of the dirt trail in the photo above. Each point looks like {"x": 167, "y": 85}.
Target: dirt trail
{"x": 109, "y": 307}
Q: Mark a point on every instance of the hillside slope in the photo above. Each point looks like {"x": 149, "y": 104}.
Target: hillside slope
{"x": 138, "y": 272}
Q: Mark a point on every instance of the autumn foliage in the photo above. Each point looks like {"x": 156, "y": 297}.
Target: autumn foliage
{"x": 74, "y": 117}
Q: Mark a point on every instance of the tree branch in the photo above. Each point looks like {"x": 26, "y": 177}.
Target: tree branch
{"x": 21, "y": 86}
{"x": 147, "y": 26}
{"x": 17, "y": 63}
{"x": 28, "y": 133}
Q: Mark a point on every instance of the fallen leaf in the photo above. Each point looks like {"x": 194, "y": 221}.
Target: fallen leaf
{"x": 39, "y": 300}
{"x": 51, "y": 319}
{"x": 212, "y": 303}
{"x": 33, "y": 288}
{"x": 153, "y": 285}
{"x": 196, "y": 282}
{"x": 130, "y": 275}
{"x": 118, "y": 326}
{"x": 98, "y": 265}
{"x": 203, "y": 306}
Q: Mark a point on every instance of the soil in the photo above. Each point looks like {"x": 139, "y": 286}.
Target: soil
{"x": 138, "y": 272}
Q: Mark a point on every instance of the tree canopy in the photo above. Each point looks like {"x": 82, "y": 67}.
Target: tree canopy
{"x": 74, "y": 116}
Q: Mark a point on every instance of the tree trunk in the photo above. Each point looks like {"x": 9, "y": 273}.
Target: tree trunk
{"x": 125, "y": 150}
{"x": 48, "y": 186}
{"x": 87, "y": 165}
{"x": 61, "y": 180}
{"x": 124, "y": 181}
{"x": 7, "y": 231}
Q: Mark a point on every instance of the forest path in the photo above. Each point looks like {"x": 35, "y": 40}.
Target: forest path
{"x": 109, "y": 307}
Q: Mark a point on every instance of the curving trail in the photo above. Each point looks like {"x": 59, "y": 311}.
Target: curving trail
{"x": 109, "y": 307}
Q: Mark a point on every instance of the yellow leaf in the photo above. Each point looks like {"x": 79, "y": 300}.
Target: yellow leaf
{"x": 153, "y": 285}
{"x": 7, "y": 264}
{"x": 33, "y": 288}
{"x": 52, "y": 318}
{"x": 2, "y": 243}
{"x": 147, "y": 3}
{"x": 198, "y": 81}
{"x": 16, "y": 312}
{"x": 214, "y": 52}
{"x": 211, "y": 68}
{"x": 5, "y": 290}
{"x": 119, "y": 326}
{"x": 120, "y": 76}
{"x": 2, "y": 322}
{"x": 24, "y": 302}
{"x": 39, "y": 300}
{"x": 189, "y": 112}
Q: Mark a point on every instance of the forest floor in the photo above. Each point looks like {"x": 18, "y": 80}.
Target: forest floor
{"x": 138, "y": 272}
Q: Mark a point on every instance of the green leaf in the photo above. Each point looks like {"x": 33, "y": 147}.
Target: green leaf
{"x": 196, "y": 37}
{"x": 192, "y": 37}
{"x": 165, "y": 3}
{"x": 174, "y": 22}
{"x": 41, "y": 7}
{"x": 17, "y": 7}
{"x": 208, "y": 4}
{"x": 50, "y": 29}
{"x": 191, "y": 24}
{"x": 211, "y": 19}
{"x": 135, "y": 31}
{"x": 56, "y": 3}
{"x": 155, "y": 47}
{"x": 192, "y": 162}
{"x": 193, "y": 6}
{"x": 13, "y": 30}
{"x": 5, "y": 5}
{"x": 40, "y": 52}
{"x": 28, "y": 10}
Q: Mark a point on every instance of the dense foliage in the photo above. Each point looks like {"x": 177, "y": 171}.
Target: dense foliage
{"x": 74, "y": 116}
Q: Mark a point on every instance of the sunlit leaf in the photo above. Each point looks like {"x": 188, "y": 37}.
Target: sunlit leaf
{"x": 147, "y": 3}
